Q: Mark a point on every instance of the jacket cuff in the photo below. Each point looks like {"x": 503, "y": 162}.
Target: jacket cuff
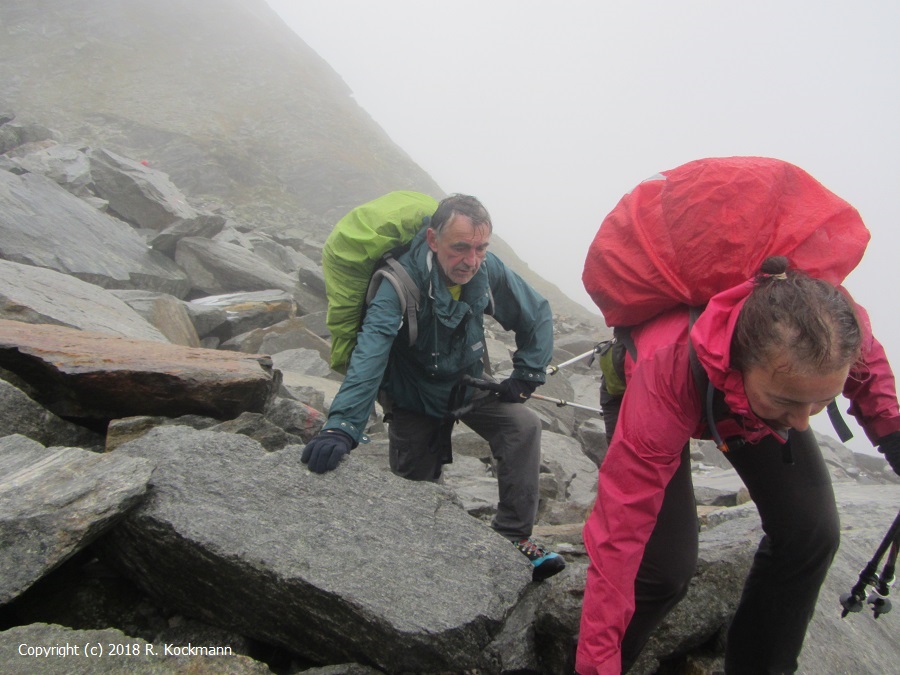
{"x": 354, "y": 432}
{"x": 535, "y": 377}
{"x": 878, "y": 429}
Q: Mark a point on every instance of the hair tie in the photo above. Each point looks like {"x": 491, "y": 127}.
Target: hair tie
{"x": 780, "y": 276}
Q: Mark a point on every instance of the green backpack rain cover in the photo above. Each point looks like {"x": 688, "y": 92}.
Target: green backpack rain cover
{"x": 354, "y": 250}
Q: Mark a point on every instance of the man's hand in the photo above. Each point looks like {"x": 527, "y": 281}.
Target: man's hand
{"x": 889, "y": 446}
{"x": 516, "y": 391}
{"x": 324, "y": 452}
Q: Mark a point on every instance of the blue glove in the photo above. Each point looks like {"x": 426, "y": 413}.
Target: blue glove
{"x": 516, "y": 391}
{"x": 889, "y": 446}
{"x": 324, "y": 452}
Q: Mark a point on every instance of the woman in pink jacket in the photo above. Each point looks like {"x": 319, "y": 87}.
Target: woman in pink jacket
{"x": 779, "y": 347}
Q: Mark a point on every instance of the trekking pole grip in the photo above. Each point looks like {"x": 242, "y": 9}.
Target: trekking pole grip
{"x": 487, "y": 385}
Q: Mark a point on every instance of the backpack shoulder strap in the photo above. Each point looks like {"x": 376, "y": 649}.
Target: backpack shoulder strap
{"x": 406, "y": 290}
{"x": 710, "y": 398}
{"x": 838, "y": 422}
{"x": 700, "y": 376}
{"x": 622, "y": 334}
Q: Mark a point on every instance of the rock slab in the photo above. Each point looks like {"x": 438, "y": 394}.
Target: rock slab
{"x": 54, "y": 502}
{"x": 347, "y": 566}
{"x": 93, "y": 375}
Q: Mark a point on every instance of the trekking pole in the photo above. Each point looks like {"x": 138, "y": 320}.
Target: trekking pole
{"x": 496, "y": 387}
{"x": 853, "y": 601}
{"x": 454, "y": 415}
{"x": 552, "y": 370}
{"x": 457, "y": 395}
{"x": 878, "y": 599}
{"x": 560, "y": 403}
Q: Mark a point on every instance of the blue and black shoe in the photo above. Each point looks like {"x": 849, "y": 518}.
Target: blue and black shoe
{"x": 546, "y": 563}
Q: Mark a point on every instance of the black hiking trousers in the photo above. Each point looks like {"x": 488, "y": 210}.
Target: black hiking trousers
{"x": 801, "y": 535}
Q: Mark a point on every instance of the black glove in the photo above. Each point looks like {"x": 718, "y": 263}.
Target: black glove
{"x": 324, "y": 452}
{"x": 516, "y": 391}
{"x": 889, "y": 446}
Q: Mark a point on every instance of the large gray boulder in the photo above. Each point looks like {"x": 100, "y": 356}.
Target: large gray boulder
{"x": 857, "y": 643}
{"x": 167, "y": 314}
{"x": 229, "y": 314}
{"x": 65, "y": 165}
{"x": 138, "y": 194}
{"x": 202, "y": 225}
{"x": 290, "y": 260}
{"x": 306, "y": 361}
{"x": 294, "y": 333}
{"x": 39, "y": 295}
{"x": 15, "y": 134}
{"x": 218, "y": 267}
{"x": 20, "y": 414}
{"x": 42, "y": 224}
{"x": 54, "y": 502}
{"x": 350, "y": 565}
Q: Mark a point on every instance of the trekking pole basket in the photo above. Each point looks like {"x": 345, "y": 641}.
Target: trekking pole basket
{"x": 881, "y": 583}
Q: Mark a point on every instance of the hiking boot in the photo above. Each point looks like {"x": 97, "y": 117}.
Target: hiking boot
{"x": 546, "y": 563}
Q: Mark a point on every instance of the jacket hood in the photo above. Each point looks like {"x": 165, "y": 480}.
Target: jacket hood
{"x": 711, "y": 337}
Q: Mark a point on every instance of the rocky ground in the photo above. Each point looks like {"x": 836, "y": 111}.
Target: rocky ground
{"x": 160, "y": 372}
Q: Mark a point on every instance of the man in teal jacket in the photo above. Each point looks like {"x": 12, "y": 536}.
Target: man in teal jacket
{"x": 459, "y": 281}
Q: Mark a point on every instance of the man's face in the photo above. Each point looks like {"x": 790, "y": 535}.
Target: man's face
{"x": 460, "y": 248}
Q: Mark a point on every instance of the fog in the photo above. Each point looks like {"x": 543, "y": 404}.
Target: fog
{"x": 550, "y": 112}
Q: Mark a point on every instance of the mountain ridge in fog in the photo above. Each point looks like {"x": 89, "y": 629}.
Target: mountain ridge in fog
{"x": 222, "y": 96}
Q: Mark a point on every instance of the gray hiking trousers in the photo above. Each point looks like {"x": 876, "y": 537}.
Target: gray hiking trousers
{"x": 420, "y": 446}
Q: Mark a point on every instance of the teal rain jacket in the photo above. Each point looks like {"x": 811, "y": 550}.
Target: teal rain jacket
{"x": 450, "y": 343}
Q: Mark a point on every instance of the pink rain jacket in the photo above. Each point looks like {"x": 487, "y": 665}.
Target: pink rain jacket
{"x": 660, "y": 412}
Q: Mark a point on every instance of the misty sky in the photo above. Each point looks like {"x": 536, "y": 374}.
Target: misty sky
{"x": 550, "y": 112}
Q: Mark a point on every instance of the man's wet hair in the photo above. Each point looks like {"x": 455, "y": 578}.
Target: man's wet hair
{"x": 464, "y": 205}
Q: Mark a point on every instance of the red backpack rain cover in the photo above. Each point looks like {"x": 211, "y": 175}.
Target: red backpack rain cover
{"x": 687, "y": 234}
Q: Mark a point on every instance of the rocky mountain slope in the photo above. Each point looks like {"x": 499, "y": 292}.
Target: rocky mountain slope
{"x": 221, "y": 96}
{"x": 168, "y": 173}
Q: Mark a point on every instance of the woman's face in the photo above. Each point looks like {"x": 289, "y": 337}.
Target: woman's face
{"x": 785, "y": 398}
